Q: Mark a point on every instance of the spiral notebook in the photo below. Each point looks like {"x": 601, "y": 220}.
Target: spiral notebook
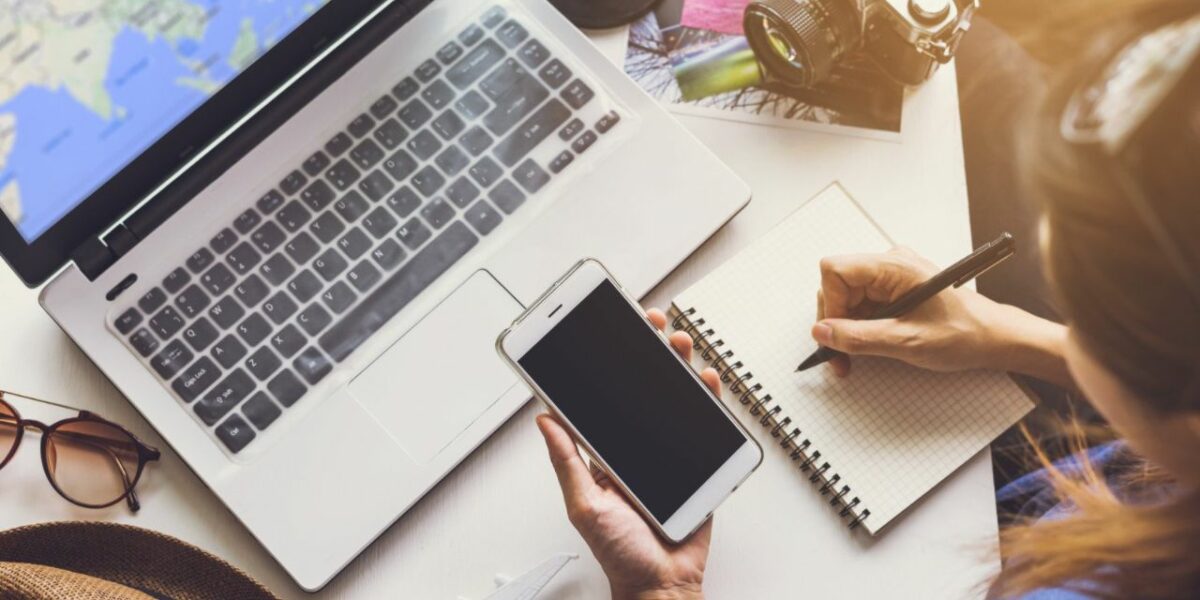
{"x": 874, "y": 442}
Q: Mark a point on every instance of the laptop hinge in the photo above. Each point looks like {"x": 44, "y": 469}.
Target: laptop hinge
{"x": 93, "y": 257}
{"x": 120, "y": 240}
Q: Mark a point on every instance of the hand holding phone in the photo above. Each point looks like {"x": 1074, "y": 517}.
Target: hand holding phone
{"x": 635, "y": 558}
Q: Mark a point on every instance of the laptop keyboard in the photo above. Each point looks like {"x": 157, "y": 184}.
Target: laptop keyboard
{"x": 247, "y": 324}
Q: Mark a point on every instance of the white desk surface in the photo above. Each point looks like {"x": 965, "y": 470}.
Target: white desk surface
{"x": 501, "y": 512}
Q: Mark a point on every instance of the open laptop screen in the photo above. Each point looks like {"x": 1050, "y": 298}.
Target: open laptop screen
{"x": 86, "y": 87}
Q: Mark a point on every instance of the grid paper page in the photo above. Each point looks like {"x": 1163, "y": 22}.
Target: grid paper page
{"x": 891, "y": 431}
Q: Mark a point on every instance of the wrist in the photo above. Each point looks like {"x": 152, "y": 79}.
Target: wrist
{"x": 676, "y": 592}
{"x": 1031, "y": 345}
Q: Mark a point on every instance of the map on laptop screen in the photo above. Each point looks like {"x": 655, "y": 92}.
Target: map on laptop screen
{"x": 87, "y": 85}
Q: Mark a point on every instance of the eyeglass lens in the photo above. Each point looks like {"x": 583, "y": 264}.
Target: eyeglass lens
{"x": 91, "y": 463}
{"x": 8, "y": 431}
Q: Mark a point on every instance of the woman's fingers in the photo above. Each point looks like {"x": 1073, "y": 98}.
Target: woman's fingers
{"x": 573, "y": 475}
{"x": 712, "y": 380}
{"x": 682, "y": 343}
{"x": 657, "y": 318}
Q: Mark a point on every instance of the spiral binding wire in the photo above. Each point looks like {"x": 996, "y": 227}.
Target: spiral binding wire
{"x": 741, "y": 383}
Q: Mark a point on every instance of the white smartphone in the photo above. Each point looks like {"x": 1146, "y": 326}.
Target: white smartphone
{"x": 641, "y": 413}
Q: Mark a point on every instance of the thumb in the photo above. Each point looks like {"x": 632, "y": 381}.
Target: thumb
{"x": 870, "y": 337}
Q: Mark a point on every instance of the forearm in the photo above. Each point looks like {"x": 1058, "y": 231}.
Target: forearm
{"x": 1033, "y": 346}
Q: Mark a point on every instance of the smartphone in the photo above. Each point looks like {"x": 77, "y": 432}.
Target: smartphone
{"x": 643, "y": 415}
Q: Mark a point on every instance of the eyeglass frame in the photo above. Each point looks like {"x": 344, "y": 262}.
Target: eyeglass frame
{"x": 146, "y": 453}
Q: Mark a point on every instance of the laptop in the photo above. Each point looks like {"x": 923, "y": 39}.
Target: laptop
{"x": 289, "y": 231}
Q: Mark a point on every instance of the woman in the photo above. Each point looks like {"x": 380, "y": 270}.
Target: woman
{"x": 1113, "y": 154}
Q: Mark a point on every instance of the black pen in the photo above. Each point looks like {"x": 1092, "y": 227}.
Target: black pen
{"x": 978, "y": 263}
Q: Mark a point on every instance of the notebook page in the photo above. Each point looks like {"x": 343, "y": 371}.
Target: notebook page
{"x": 891, "y": 431}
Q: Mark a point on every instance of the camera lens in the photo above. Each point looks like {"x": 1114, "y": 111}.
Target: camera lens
{"x": 799, "y": 41}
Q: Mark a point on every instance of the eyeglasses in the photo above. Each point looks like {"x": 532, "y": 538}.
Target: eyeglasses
{"x": 92, "y": 462}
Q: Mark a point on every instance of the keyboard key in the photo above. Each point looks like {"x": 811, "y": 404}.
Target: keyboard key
{"x": 608, "y": 121}
{"x": 415, "y": 114}
{"x": 361, "y": 125}
{"x": 338, "y": 144}
{"x": 538, "y": 127}
{"x": 312, "y": 365}
{"x": 270, "y": 202}
{"x": 462, "y": 192}
{"x": 316, "y": 163}
{"x": 413, "y": 234}
{"x": 391, "y": 134}
{"x": 247, "y": 221}
{"x": 400, "y": 165}
{"x": 290, "y": 185}
{"x": 327, "y": 227}
{"x": 313, "y": 319}
{"x": 448, "y": 125}
{"x": 376, "y": 185}
{"x": 486, "y": 172}
{"x": 279, "y": 308}
{"x": 438, "y": 213}
{"x": 318, "y": 195}
{"x": 200, "y": 334}
{"x": 561, "y": 161}
{"x": 555, "y": 73}
{"x": 366, "y": 155}
{"x": 405, "y": 89}
{"x": 262, "y": 363}
{"x": 127, "y": 321}
{"x": 227, "y": 312}
{"x": 507, "y": 197}
{"x": 235, "y": 434}
{"x": 302, "y": 248}
{"x": 388, "y": 255}
{"x": 397, "y": 291}
{"x": 195, "y": 379}
{"x": 472, "y": 105}
{"x": 268, "y": 237}
{"x": 517, "y": 103}
{"x": 251, "y": 291}
{"x": 166, "y": 323}
{"x": 570, "y": 130}
{"x": 151, "y": 300}
{"x": 355, "y": 243}
{"x": 384, "y": 107}
{"x": 277, "y": 269}
{"x": 175, "y": 280}
{"x": 243, "y": 258}
{"x": 261, "y": 410}
{"x": 221, "y": 399}
{"x": 476, "y": 141}
{"x": 288, "y": 341}
{"x": 478, "y": 61}
{"x": 531, "y": 176}
{"x": 471, "y": 35}
{"x": 494, "y": 16}
{"x": 449, "y": 53}
{"x": 351, "y": 206}
{"x": 143, "y": 341}
{"x": 293, "y": 216}
{"x": 577, "y": 94}
{"x": 224, "y": 240}
{"x": 192, "y": 301}
{"x": 511, "y": 34}
{"x": 254, "y": 329}
{"x": 424, "y": 145}
{"x": 428, "y": 181}
{"x": 342, "y": 175}
{"x": 404, "y": 202}
{"x": 330, "y": 264}
{"x": 228, "y": 351}
{"x": 286, "y": 388}
{"x": 305, "y": 285}
{"x": 363, "y": 276}
{"x": 483, "y": 217}
{"x": 218, "y": 279}
{"x": 584, "y": 142}
{"x": 339, "y": 297}
{"x": 200, "y": 260}
{"x": 380, "y": 223}
{"x": 438, "y": 95}
{"x": 173, "y": 358}
{"x": 428, "y": 70}
{"x": 452, "y": 160}
{"x": 533, "y": 54}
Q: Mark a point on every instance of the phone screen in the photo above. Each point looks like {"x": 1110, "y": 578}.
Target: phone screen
{"x": 629, "y": 397}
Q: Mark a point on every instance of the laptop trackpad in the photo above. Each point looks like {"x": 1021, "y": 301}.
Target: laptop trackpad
{"x": 444, "y": 373}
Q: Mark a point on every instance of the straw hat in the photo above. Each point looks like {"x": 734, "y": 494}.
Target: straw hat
{"x": 106, "y": 561}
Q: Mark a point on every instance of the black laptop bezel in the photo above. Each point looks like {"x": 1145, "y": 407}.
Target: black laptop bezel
{"x": 35, "y": 263}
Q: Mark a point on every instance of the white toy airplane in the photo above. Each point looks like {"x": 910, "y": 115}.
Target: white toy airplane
{"x": 529, "y": 585}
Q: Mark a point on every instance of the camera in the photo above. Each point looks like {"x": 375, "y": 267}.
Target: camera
{"x": 799, "y": 42}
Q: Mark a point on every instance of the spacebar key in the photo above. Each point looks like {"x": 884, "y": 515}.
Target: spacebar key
{"x": 395, "y": 293}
